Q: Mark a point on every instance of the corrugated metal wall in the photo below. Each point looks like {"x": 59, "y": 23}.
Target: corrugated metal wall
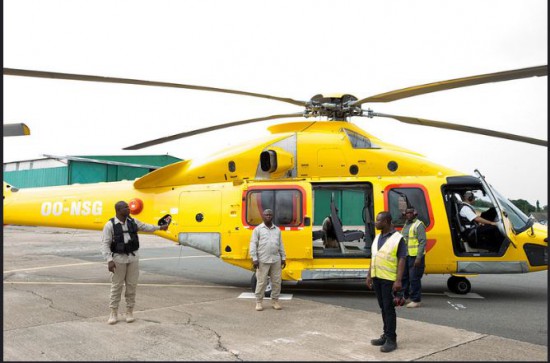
{"x": 37, "y": 177}
{"x": 83, "y": 172}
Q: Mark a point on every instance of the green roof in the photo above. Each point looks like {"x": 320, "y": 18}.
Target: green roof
{"x": 156, "y": 160}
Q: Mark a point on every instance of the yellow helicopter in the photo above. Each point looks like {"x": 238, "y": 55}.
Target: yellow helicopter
{"x": 306, "y": 171}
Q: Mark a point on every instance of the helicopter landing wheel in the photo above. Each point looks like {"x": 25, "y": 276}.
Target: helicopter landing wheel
{"x": 268, "y": 288}
{"x": 459, "y": 285}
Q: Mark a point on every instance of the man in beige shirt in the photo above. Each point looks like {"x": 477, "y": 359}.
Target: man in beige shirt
{"x": 268, "y": 257}
{"x": 119, "y": 246}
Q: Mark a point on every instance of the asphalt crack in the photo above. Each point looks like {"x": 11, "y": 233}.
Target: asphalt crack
{"x": 151, "y": 321}
{"x": 219, "y": 345}
{"x": 51, "y": 303}
{"x": 452, "y": 347}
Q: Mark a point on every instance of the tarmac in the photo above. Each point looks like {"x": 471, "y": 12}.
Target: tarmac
{"x": 56, "y": 309}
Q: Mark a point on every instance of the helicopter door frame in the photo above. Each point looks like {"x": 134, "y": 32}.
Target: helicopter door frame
{"x": 503, "y": 224}
{"x": 356, "y": 227}
{"x": 281, "y": 198}
{"x": 452, "y": 192}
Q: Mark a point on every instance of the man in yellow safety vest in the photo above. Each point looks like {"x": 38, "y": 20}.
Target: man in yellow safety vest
{"x": 414, "y": 233}
{"x": 385, "y": 273}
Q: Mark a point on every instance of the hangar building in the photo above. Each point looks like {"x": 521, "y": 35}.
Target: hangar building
{"x": 65, "y": 170}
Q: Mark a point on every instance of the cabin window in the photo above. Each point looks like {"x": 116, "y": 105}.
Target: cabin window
{"x": 286, "y": 205}
{"x": 401, "y": 198}
{"x": 359, "y": 141}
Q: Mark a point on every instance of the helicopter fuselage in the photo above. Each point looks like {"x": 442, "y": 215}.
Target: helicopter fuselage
{"x": 300, "y": 171}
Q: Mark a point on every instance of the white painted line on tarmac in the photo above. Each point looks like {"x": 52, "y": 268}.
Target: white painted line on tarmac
{"x": 109, "y": 284}
{"x": 305, "y": 289}
{"x": 167, "y": 258}
{"x": 102, "y": 262}
{"x": 55, "y": 266}
{"x": 250, "y": 295}
{"x": 433, "y": 293}
{"x": 470, "y": 295}
{"x": 456, "y": 306}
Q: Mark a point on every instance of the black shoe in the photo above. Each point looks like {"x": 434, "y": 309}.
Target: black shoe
{"x": 389, "y": 345}
{"x": 379, "y": 341}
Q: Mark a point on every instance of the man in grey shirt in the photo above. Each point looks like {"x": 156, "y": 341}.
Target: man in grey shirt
{"x": 119, "y": 246}
{"x": 268, "y": 257}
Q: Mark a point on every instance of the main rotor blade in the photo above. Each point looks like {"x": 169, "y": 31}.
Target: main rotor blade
{"x": 16, "y": 130}
{"x": 81, "y": 77}
{"x": 456, "y": 83}
{"x": 470, "y": 129}
{"x": 208, "y": 129}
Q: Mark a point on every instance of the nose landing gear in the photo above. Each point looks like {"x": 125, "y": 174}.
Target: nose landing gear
{"x": 459, "y": 285}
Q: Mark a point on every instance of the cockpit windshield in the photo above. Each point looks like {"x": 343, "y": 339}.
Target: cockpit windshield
{"x": 519, "y": 221}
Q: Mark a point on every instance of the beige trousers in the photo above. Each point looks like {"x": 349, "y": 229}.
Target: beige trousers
{"x": 125, "y": 274}
{"x": 272, "y": 270}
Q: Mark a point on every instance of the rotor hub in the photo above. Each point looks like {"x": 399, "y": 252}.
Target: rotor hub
{"x": 333, "y": 107}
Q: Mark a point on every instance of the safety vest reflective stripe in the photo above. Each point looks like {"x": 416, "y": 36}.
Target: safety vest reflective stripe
{"x": 412, "y": 240}
{"x": 384, "y": 254}
{"x": 389, "y": 270}
{"x": 384, "y": 261}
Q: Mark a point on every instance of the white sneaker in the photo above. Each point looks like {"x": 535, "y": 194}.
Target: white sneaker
{"x": 130, "y": 315}
{"x": 113, "y": 318}
{"x": 276, "y": 305}
{"x": 413, "y": 304}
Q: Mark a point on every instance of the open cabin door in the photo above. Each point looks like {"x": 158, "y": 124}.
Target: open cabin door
{"x": 475, "y": 242}
{"x": 343, "y": 225}
{"x": 503, "y": 224}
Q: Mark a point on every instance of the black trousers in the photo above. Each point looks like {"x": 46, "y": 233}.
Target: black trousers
{"x": 383, "y": 290}
{"x": 486, "y": 236}
{"x": 412, "y": 279}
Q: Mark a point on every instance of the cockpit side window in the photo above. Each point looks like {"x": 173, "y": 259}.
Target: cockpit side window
{"x": 399, "y": 199}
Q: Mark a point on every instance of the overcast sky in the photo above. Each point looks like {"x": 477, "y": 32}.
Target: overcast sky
{"x": 285, "y": 48}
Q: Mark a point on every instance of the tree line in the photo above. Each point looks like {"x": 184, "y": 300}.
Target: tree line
{"x": 527, "y": 208}
{"x": 522, "y": 205}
